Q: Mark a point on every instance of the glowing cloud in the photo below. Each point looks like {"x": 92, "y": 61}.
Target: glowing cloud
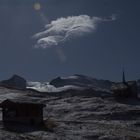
{"x": 62, "y": 29}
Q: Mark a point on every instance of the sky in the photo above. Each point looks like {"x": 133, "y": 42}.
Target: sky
{"x": 43, "y": 39}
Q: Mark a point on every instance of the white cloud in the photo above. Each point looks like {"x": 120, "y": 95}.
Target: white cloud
{"x": 62, "y": 29}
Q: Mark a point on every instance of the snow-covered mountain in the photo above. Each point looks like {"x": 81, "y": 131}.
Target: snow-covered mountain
{"x": 60, "y": 84}
{"x": 75, "y": 82}
{"x": 81, "y": 81}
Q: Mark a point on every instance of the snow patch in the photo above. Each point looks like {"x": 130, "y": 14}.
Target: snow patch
{"x": 46, "y": 87}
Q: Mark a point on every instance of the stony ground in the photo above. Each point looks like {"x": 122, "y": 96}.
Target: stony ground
{"x": 80, "y": 117}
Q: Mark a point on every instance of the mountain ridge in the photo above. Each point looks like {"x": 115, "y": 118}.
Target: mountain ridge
{"x": 59, "y": 84}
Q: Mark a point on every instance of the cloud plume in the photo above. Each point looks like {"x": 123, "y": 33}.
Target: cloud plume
{"x": 63, "y": 29}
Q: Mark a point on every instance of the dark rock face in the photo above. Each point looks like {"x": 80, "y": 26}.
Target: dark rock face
{"x": 15, "y": 82}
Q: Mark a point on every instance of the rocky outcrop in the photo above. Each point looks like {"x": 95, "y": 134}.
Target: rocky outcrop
{"x": 15, "y": 81}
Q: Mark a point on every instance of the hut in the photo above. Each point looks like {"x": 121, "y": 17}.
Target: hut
{"x": 21, "y": 111}
{"x": 125, "y": 89}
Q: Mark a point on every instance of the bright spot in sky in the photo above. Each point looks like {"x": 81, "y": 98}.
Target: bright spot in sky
{"x": 37, "y": 6}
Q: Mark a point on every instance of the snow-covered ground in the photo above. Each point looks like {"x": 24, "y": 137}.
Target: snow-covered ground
{"x": 46, "y": 87}
{"x": 86, "y": 117}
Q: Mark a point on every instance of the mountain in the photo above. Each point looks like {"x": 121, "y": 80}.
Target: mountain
{"x": 74, "y": 82}
{"x": 15, "y": 81}
{"x": 82, "y": 81}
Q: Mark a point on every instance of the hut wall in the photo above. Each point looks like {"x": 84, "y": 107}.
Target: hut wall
{"x": 31, "y": 115}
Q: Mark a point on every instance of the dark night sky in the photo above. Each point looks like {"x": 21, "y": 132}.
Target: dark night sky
{"x": 100, "y": 54}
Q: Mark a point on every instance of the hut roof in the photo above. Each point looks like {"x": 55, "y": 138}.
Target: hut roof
{"x": 9, "y": 102}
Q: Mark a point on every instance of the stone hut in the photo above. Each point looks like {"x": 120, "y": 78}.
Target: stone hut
{"x": 22, "y": 112}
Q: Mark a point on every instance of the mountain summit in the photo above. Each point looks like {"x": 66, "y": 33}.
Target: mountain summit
{"x": 15, "y": 82}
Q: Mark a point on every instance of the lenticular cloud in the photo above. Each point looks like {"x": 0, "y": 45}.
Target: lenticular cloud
{"x": 62, "y": 29}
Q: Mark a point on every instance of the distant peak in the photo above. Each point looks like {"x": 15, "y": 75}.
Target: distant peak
{"x": 79, "y": 75}
{"x": 15, "y": 76}
{"x": 15, "y": 81}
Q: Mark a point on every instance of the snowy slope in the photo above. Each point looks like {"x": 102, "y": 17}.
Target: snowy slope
{"x": 46, "y": 87}
{"x": 86, "y": 117}
{"x": 77, "y": 117}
